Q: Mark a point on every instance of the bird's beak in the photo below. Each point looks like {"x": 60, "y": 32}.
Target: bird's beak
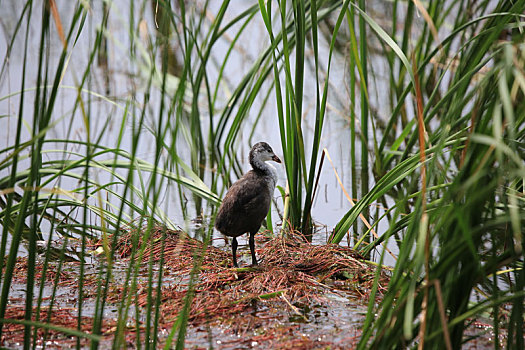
{"x": 276, "y": 159}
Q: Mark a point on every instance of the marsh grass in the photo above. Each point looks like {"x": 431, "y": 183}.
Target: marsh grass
{"x": 441, "y": 157}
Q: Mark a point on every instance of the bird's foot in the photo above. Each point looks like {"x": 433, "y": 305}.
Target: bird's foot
{"x": 255, "y": 264}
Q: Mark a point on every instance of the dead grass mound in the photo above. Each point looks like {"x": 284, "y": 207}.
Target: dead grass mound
{"x": 291, "y": 270}
{"x": 252, "y": 303}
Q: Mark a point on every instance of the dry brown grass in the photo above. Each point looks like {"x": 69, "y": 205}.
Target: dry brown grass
{"x": 292, "y": 272}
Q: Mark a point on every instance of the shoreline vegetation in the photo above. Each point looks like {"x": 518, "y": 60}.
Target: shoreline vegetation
{"x": 122, "y": 120}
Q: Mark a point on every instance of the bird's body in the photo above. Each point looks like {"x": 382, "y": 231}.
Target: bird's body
{"x": 245, "y": 198}
{"x": 247, "y": 201}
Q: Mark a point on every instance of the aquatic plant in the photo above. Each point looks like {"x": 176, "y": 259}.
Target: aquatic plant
{"x": 107, "y": 130}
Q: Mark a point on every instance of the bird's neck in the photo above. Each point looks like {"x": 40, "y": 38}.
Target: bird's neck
{"x": 267, "y": 169}
{"x": 258, "y": 164}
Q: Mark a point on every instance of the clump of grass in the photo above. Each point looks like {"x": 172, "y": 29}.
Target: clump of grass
{"x": 289, "y": 265}
{"x": 292, "y": 272}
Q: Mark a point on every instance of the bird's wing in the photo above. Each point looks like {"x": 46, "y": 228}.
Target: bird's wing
{"x": 245, "y": 196}
{"x": 247, "y": 199}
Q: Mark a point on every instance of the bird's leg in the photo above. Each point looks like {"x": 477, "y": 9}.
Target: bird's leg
{"x": 252, "y": 248}
{"x": 234, "y": 252}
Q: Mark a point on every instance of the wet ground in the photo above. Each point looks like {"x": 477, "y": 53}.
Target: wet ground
{"x": 301, "y": 296}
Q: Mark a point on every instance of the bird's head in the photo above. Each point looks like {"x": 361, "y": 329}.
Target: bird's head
{"x": 263, "y": 152}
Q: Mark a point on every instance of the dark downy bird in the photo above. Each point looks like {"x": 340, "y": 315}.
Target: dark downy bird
{"x": 248, "y": 200}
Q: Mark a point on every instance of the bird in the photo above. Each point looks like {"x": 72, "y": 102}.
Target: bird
{"x": 247, "y": 201}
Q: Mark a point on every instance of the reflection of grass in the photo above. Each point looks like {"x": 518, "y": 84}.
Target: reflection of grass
{"x": 449, "y": 154}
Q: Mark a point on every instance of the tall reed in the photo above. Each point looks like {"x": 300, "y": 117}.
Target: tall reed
{"x": 446, "y": 165}
{"x": 297, "y": 23}
{"x": 461, "y": 100}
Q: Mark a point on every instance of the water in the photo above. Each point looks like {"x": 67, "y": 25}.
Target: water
{"x": 123, "y": 78}
{"x": 329, "y": 205}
